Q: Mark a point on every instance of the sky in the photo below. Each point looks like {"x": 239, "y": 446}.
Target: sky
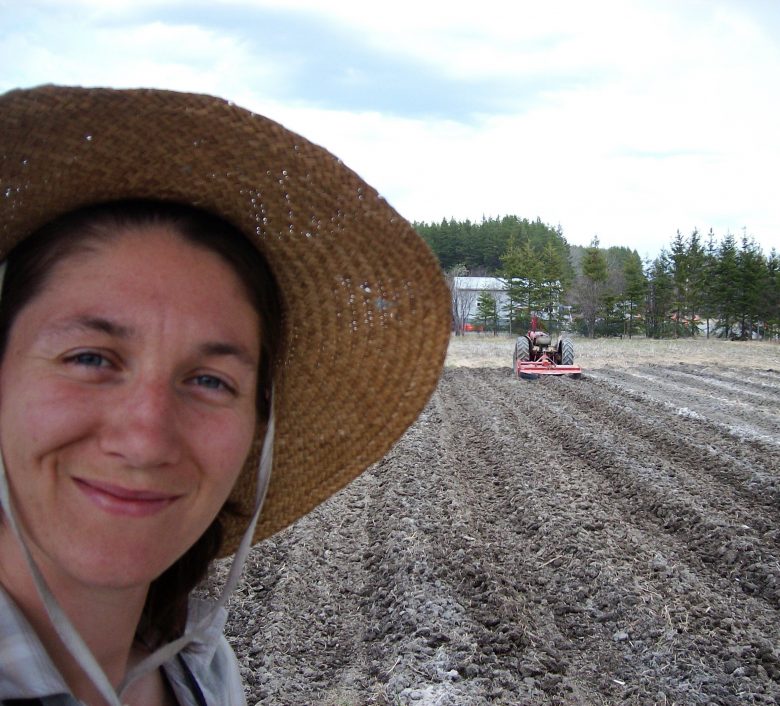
{"x": 626, "y": 120}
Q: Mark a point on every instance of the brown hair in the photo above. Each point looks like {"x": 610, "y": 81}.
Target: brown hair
{"x": 30, "y": 264}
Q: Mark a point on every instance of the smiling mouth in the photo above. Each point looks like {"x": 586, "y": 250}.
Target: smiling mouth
{"x": 117, "y": 500}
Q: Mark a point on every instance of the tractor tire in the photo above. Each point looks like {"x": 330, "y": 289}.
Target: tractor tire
{"x": 522, "y": 348}
{"x": 521, "y": 352}
{"x": 567, "y": 352}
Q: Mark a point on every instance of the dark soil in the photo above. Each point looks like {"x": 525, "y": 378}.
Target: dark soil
{"x": 609, "y": 540}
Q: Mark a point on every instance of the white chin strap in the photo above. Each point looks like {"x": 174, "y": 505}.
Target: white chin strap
{"x": 69, "y": 635}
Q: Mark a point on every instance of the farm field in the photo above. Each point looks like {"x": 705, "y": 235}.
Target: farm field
{"x": 609, "y": 540}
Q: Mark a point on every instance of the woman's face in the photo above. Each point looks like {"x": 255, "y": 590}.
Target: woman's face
{"x": 127, "y": 405}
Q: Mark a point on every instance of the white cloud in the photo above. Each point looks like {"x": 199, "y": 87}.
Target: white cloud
{"x": 644, "y": 117}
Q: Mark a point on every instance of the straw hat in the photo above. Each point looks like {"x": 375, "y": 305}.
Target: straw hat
{"x": 365, "y": 306}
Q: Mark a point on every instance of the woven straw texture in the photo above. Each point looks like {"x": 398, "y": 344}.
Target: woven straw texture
{"x": 366, "y": 308}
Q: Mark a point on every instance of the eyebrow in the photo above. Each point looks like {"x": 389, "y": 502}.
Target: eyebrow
{"x": 90, "y": 323}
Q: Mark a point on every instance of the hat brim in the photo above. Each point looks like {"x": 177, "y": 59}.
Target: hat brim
{"x": 366, "y": 309}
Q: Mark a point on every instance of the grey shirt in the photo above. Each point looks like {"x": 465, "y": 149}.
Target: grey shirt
{"x": 27, "y": 671}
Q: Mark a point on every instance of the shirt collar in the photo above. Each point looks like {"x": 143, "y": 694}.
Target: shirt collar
{"x": 28, "y": 672}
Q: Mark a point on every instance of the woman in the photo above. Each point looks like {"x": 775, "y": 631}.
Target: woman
{"x": 191, "y": 291}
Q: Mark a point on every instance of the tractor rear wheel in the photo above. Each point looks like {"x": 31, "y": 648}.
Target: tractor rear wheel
{"x": 522, "y": 348}
{"x": 521, "y": 352}
{"x": 567, "y": 352}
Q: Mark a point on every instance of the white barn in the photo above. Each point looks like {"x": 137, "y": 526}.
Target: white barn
{"x": 471, "y": 287}
{"x": 466, "y": 291}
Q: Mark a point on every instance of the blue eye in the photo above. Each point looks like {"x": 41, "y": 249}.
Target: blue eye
{"x": 210, "y": 382}
{"x": 89, "y": 359}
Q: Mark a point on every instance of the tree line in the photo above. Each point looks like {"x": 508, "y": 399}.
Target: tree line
{"x": 696, "y": 286}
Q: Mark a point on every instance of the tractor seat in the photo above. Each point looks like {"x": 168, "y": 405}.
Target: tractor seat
{"x": 541, "y": 339}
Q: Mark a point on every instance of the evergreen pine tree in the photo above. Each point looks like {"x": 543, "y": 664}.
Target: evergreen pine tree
{"x": 487, "y": 311}
{"x": 726, "y": 285}
{"x": 695, "y": 259}
{"x": 522, "y": 271}
{"x": 552, "y": 273}
{"x": 679, "y": 271}
{"x": 591, "y": 287}
{"x": 752, "y": 281}
{"x": 636, "y": 287}
{"x": 708, "y": 287}
{"x": 660, "y": 296}
{"x": 771, "y": 301}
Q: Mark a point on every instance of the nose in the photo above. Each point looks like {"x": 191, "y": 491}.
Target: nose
{"x": 142, "y": 426}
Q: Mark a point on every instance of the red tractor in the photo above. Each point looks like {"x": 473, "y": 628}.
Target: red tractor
{"x": 535, "y": 355}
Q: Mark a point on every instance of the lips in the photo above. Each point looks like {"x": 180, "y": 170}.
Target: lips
{"x": 118, "y": 500}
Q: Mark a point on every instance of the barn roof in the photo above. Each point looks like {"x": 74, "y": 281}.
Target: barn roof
{"x": 491, "y": 284}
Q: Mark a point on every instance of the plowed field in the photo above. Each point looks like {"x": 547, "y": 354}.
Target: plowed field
{"x": 609, "y": 540}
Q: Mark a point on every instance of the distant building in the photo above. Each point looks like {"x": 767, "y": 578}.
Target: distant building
{"x": 472, "y": 287}
{"x": 468, "y": 289}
